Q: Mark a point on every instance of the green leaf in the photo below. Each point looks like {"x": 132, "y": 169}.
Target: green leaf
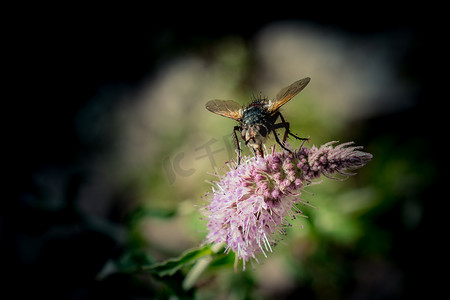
{"x": 172, "y": 265}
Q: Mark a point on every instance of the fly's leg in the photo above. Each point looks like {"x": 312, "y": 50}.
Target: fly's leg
{"x": 239, "y": 129}
{"x": 279, "y": 143}
{"x": 287, "y": 132}
{"x": 285, "y": 125}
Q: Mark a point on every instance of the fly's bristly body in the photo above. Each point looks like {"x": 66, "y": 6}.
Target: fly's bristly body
{"x": 256, "y": 124}
{"x": 258, "y": 119}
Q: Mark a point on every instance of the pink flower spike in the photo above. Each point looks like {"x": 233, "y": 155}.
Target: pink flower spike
{"x": 250, "y": 205}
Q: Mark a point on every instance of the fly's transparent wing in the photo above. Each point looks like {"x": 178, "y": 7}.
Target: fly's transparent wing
{"x": 287, "y": 94}
{"x": 226, "y": 108}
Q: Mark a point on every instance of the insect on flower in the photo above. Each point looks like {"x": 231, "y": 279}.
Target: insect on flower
{"x": 258, "y": 119}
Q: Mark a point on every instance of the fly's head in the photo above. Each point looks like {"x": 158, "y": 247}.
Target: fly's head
{"x": 254, "y": 136}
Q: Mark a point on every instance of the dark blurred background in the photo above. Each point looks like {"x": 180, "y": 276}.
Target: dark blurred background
{"x": 76, "y": 77}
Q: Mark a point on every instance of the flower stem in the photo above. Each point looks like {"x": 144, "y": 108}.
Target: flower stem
{"x": 200, "y": 266}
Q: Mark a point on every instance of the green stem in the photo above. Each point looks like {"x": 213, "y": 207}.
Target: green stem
{"x": 200, "y": 266}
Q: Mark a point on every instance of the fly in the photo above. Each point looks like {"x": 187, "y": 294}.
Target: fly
{"x": 258, "y": 119}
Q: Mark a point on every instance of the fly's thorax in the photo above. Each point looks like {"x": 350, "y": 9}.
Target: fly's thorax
{"x": 255, "y": 113}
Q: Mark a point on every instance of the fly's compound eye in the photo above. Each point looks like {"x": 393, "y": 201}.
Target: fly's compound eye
{"x": 262, "y": 130}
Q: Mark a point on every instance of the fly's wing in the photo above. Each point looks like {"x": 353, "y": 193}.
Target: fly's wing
{"x": 226, "y": 108}
{"x": 287, "y": 94}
